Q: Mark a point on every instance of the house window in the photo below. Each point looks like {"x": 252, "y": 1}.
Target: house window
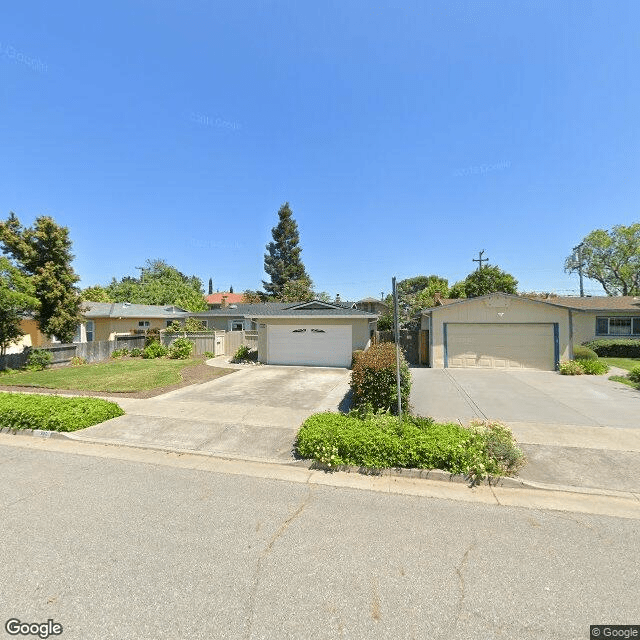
{"x": 617, "y": 326}
{"x": 237, "y": 325}
{"x": 90, "y": 330}
{"x": 143, "y": 324}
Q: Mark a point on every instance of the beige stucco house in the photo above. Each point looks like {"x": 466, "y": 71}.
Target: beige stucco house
{"x": 311, "y": 333}
{"x": 106, "y": 320}
{"x": 503, "y": 331}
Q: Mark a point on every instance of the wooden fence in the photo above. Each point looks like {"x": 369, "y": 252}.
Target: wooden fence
{"x": 218, "y": 343}
{"x": 409, "y": 343}
{"x": 233, "y": 339}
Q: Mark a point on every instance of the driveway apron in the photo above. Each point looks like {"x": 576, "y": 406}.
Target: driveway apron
{"x": 253, "y": 413}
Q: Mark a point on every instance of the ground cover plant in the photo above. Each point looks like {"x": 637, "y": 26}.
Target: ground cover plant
{"x": 53, "y": 413}
{"x": 583, "y": 366}
{"x": 380, "y": 440}
{"x": 120, "y": 375}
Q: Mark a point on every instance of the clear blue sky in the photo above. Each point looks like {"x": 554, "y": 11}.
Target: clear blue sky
{"x": 407, "y": 136}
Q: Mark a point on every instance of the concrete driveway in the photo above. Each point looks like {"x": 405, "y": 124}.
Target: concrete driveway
{"x": 525, "y": 396}
{"x": 576, "y": 431}
{"x": 253, "y": 413}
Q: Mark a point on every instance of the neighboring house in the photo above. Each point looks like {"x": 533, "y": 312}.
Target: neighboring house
{"x": 309, "y": 333}
{"x": 106, "y": 320}
{"x": 224, "y": 299}
{"x": 502, "y": 331}
{"x": 373, "y": 305}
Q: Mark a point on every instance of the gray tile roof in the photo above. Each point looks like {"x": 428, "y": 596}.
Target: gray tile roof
{"x": 128, "y": 310}
{"x": 280, "y": 309}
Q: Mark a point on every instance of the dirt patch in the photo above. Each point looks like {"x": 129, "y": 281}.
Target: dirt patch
{"x": 196, "y": 374}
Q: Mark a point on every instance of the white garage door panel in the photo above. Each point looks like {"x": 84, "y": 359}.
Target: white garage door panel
{"x": 321, "y": 345}
{"x": 501, "y": 346}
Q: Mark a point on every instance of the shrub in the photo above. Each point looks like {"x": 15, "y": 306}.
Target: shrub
{"x": 135, "y": 353}
{"x": 242, "y": 352}
{"x": 209, "y": 354}
{"x": 154, "y": 350}
{"x": 634, "y": 374}
{"x": 77, "y": 361}
{"x": 151, "y": 336}
{"x": 39, "y": 359}
{"x": 373, "y": 379}
{"x": 380, "y": 440}
{"x": 593, "y": 367}
{"x": 570, "y": 368}
{"x": 53, "y": 413}
{"x": 615, "y": 348}
{"x": 181, "y": 349}
{"x": 119, "y": 353}
{"x": 580, "y": 352}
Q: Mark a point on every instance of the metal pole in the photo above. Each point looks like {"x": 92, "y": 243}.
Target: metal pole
{"x": 397, "y": 341}
{"x": 580, "y": 269}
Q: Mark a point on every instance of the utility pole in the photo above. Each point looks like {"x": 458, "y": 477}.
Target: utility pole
{"x": 396, "y": 330}
{"x": 579, "y": 250}
{"x": 480, "y": 260}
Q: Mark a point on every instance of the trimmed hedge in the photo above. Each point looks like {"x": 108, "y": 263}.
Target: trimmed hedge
{"x": 382, "y": 441}
{"x": 580, "y": 352}
{"x": 615, "y": 348}
{"x": 373, "y": 379}
{"x": 54, "y": 413}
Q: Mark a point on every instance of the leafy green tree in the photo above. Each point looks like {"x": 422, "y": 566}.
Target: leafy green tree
{"x": 612, "y": 258}
{"x": 282, "y": 262}
{"x": 160, "y": 284}
{"x": 417, "y": 293}
{"x": 96, "y": 293}
{"x": 43, "y": 252}
{"x": 457, "y": 290}
{"x": 489, "y": 279}
{"x": 297, "y": 291}
{"x": 385, "y": 321}
{"x": 17, "y": 297}
{"x": 254, "y": 296}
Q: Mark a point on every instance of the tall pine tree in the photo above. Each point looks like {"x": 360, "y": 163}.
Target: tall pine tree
{"x": 282, "y": 262}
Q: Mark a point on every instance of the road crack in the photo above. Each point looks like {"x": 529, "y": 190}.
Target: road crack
{"x": 263, "y": 556}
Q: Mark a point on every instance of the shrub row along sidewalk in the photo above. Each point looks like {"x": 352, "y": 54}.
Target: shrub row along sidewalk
{"x": 52, "y": 413}
{"x": 380, "y": 440}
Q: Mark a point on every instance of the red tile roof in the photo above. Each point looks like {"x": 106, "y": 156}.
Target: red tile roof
{"x": 232, "y": 298}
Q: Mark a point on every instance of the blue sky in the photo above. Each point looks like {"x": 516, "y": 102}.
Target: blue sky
{"x": 406, "y": 136}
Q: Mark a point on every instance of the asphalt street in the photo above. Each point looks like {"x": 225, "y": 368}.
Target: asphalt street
{"x": 120, "y": 549}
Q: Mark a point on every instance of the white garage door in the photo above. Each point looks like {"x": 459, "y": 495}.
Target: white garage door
{"x": 501, "y": 346}
{"x": 321, "y": 345}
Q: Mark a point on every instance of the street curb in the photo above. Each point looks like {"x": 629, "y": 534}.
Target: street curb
{"x": 421, "y": 474}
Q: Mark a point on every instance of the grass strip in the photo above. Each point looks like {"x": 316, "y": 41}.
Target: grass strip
{"x": 112, "y": 376}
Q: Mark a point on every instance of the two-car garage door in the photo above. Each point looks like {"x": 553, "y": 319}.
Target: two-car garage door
{"x": 322, "y": 345}
{"x": 500, "y": 346}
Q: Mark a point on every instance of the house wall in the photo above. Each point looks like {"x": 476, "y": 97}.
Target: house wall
{"x": 486, "y": 310}
{"x": 584, "y": 324}
{"x": 359, "y": 330}
{"x": 107, "y": 328}
{"x": 223, "y": 323}
{"x": 31, "y": 335}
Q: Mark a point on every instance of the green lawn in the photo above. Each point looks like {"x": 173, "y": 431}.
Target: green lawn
{"x": 623, "y": 363}
{"x": 114, "y": 375}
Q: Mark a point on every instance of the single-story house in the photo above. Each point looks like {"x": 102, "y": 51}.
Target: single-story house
{"x": 309, "y": 333}
{"x": 502, "y": 331}
{"x": 373, "y": 305}
{"x": 106, "y": 320}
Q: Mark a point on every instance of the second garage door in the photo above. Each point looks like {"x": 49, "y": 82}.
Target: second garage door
{"x": 322, "y": 345}
{"x": 501, "y": 346}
